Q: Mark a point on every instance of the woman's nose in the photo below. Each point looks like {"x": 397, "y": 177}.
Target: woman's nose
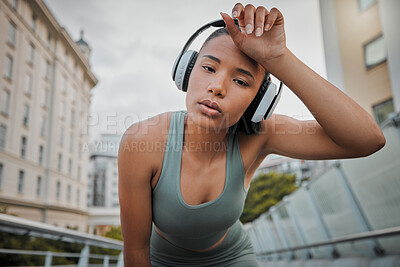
{"x": 217, "y": 86}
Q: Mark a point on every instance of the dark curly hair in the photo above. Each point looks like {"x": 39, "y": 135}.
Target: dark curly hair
{"x": 244, "y": 124}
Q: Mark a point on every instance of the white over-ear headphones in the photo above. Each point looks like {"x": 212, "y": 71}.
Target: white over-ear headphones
{"x": 263, "y": 103}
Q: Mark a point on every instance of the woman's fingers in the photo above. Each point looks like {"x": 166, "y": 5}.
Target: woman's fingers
{"x": 249, "y": 11}
{"x": 237, "y": 13}
{"x": 261, "y": 13}
{"x": 272, "y": 18}
{"x": 254, "y": 20}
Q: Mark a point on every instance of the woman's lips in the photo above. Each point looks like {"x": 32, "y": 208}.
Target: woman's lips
{"x": 209, "y": 111}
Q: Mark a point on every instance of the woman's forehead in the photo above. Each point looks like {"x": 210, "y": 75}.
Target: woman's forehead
{"x": 223, "y": 48}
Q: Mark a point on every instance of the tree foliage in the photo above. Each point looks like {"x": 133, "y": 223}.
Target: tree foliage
{"x": 266, "y": 190}
{"x": 115, "y": 233}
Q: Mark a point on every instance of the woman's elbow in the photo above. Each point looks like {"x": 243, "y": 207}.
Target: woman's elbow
{"x": 376, "y": 143}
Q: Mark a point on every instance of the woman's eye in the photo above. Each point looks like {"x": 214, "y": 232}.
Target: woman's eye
{"x": 241, "y": 82}
{"x": 208, "y": 68}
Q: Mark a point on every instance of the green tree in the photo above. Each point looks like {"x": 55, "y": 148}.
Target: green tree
{"x": 265, "y": 191}
{"x": 115, "y": 233}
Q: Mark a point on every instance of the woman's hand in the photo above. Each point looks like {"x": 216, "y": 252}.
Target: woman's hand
{"x": 261, "y": 35}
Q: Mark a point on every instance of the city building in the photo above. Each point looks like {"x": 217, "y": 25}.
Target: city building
{"x": 303, "y": 169}
{"x": 103, "y": 201}
{"x": 361, "y": 41}
{"x": 45, "y": 87}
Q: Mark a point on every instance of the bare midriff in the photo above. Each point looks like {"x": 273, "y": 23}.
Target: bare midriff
{"x": 197, "y": 250}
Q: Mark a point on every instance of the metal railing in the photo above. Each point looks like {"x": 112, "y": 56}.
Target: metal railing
{"x": 350, "y": 210}
{"x": 16, "y": 225}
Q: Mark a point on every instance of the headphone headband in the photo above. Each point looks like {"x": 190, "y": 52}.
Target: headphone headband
{"x": 219, "y": 23}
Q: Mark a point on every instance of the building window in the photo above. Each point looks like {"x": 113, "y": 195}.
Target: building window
{"x": 65, "y": 85}
{"x": 28, "y": 84}
{"x": 33, "y": 22}
{"x": 79, "y": 173}
{"x": 59, "y": 162}
{"x": 73, "y": 95}
{"x": 23, "y": 147}
{"x": 31, "y": 53}
{"x": 43, "y": 126}
{"x": 14, "y": 4}
{"x": 66, "y": 57}
{"x": 69, "y": 193}
{"x": 382, "y": 110}
{"x": 375, "y": 52}
{"x": 1, "y": 175}
{"x": 363, "y": 4}
{"x": 61, "y": 137}
{"x": 47, "y": 71}
{"x": 38, "y": 186}
{"x": 25, "y": 118}
{"x": 62, "y": 110}
{"x": 80, "y": 151}
{"x": 12, "y": 34}
{"x": 58, "y": 190}
{"x": 71, "y": 143}
{"x": 41, "y": 150}
{"x": 5, "y": 101}
{"x": 70, "y": 166}
{"x": 9, "y": 67}
{"x": 72, "y": 118}
{"x": 3, "y": 135}
{"x": 78, "y": 196}
{"x": 21, "y": 182}
{"x": 49, "y": 39}
{"x": 45, "y": 97}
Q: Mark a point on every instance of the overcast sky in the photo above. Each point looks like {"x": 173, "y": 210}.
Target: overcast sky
{"x": 135, "y": 43}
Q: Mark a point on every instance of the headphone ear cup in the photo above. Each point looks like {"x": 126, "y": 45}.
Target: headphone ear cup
{"x": 189, "y": 70}
{"x": 184, "y": 69}
{"x": 252, "y": 108}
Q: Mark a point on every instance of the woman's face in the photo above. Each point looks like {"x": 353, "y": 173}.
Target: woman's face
{"x": 224, "y": 75}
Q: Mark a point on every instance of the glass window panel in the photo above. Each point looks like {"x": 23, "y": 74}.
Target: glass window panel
{"x": 12, "y": 33}
{"x": 9, "y": 67}
{"x": 1, "y": 175}
{"x": 375, "y": 52}
{"x": 5, "y": 101}
{"x": 58, "y": 190}
{"x": 382, "y": 110}
{"x": 376, "y": 183}
{"x": 303, "y": 210}
{"x": 28, "y": 84}
{"x": 3, "y": 135}
{"x": 335, "y": 209}
{"x": 31, "y": 53}
{"x": 365, "y": 3}
{"x": 287, "y": 226}
{"x": 38, "y": 186}
{"x": 26, "y": 115}
{"x": 21, "y": 182}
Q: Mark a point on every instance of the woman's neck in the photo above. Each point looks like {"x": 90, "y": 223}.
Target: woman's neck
{"x": 204, "y": 144}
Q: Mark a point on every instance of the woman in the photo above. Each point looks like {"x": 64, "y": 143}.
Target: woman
{"x": 189, "y": 171}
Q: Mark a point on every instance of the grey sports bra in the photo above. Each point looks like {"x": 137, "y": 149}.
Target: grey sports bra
{"x": 196, "y": 226}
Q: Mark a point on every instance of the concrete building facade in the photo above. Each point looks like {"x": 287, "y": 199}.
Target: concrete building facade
{"x": 361, "y": 42}
{"x": 45, "y": 89}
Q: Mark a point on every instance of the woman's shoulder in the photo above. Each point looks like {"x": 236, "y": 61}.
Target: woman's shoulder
{"x": 152, "y": 129}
